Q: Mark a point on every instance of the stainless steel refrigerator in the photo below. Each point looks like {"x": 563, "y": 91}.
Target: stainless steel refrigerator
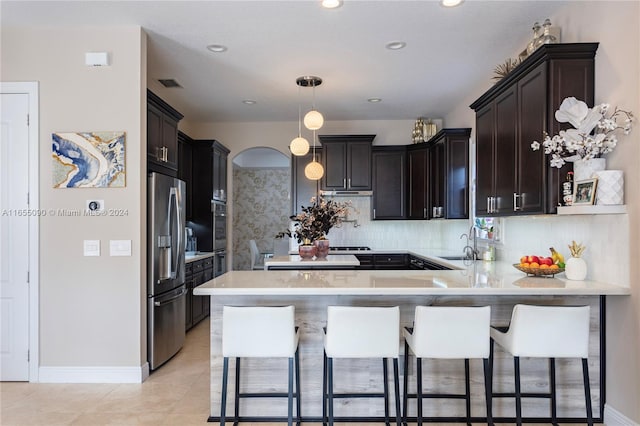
{"x": 166, "y": 292}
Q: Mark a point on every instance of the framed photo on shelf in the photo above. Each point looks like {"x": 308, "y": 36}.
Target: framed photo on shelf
{"x": 584, "y": 191}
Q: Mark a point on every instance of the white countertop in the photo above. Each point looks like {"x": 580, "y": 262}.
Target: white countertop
{"x": 294, "y": 260}
{"x": 199, "y": 255}
{"x": 476, "y": 278}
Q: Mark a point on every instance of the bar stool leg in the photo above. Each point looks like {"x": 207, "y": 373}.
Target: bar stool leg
{"x": 385, "y": 383}
{"x": 290, "y": 395}
{"x": 488, "y": 391}
{"x": 405, "y": 382}
{"x": 236, "y": 399}
{"x": 298, "y": 403}
{"x": 516, "y": 365}
{"x": 396, "y": 384}
{"x": 467, "y": 390}
{"x": 587, "y": 391}
{"x": 324, "y": 389}
{"x": 419, "y": 388}
{"x": 330, "y": 389}
{"x": 223, "y": 401}
{"x": 552, "y": 386}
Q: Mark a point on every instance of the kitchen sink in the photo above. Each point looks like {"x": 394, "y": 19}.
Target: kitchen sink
{"x": 459, "y": 257}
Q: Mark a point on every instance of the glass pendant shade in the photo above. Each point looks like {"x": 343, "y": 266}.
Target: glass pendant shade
{"x": 299, "y": 146}
{"x": 313, "y": 120}
{"x": 313, "y": 170}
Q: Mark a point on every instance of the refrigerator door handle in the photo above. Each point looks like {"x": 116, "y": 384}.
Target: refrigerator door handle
{"x": 174, "y": 223}
{"x": 171, "y": 300}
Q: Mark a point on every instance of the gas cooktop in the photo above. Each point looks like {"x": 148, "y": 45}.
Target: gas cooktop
{"x": 350, "y": 248}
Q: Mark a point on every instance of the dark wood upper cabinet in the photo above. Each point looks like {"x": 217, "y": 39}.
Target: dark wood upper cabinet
{"x": 418, "y": 181}
{"x": 449, "y": 168}
{"x": 347, "y": 162}
{"x": 209, "y": 172}
{"x": 511, "y": 178}
{"x": 389, "y": 182}
{"x": 220, "y": 153}
{"x": 162, "y": 135}
{"x": 185, "y": 169}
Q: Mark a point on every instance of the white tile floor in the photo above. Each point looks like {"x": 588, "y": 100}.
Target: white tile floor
{"x": 177, "y": 394}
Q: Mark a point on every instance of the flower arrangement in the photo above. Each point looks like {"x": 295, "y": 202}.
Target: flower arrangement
{"x": 315, "y": 221}
{"x": 593, "y": 135}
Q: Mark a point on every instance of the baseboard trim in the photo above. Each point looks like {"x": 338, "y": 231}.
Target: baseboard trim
{"x": 613, "y": 417}
{"x": 93, "y": 374}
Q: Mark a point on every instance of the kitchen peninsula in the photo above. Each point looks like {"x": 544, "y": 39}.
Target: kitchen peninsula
{"x": 476, "y": 283}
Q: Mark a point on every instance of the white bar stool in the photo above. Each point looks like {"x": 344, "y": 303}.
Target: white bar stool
{"x": 361, "y": 332}
{"x": 442, "y": 332}
{"x": 260, "y": 332}
{"x": 546, "y": 332}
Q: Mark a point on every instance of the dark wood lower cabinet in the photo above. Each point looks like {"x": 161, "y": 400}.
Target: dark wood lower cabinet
{"x": 196, "y": 273}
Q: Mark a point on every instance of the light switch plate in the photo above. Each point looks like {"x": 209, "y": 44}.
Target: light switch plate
{"x": 119, "y": 247}
{"x": 91, "y": 247}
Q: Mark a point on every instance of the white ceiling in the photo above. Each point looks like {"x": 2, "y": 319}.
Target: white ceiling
{"x": 449, "y": 54}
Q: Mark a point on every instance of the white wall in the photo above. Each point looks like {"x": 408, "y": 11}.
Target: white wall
{"x": 91, "y": 308}
{"x": 610, "y": 255}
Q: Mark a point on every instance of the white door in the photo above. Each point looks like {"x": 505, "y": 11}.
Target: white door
{"x": 14, "y": 237}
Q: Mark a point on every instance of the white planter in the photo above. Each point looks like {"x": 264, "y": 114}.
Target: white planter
{"x": 585, "y": 169}
{"x": 610, "y": 189}
{"x": 575, "y": 269}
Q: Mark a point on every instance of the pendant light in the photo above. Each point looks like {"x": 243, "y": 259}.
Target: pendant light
{"x": 313, "y": 120}
{"x": 299, "y": 146}
{"x": 314, "y": 170}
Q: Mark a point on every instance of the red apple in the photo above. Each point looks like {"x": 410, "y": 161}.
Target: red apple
{"x": 546, "y": 261}
{"x": 533, "y": 259}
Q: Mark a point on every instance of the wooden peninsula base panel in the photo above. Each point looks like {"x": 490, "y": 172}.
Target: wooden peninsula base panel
{"x": 312, "y": 291}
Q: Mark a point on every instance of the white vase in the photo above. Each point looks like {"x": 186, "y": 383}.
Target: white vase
{"x": 610, "y": 189}
{"x": 585, "y": 169}
{"x": 575, "y": 269}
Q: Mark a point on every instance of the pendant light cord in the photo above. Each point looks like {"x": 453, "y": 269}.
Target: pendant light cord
{"x": 299, "y": 115}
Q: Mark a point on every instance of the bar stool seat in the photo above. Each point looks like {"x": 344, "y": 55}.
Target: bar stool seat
{"x": 546, "y": 332}
{"x": 260, "y": 332}
{"x": 361, "y": 332}
{"x": 443, "y": 332}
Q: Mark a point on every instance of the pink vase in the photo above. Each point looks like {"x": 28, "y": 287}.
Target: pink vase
{"x": 322, "y": 248}
{"x": 306, "y": 251}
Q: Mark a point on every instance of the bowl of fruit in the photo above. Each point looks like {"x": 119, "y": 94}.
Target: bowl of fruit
{"x": 541, "y": 266}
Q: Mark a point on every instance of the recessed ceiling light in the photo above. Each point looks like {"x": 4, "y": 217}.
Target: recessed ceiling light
{"x": 450, "y": 3}
{"x": 374, "y": 100}
{"x": 395, "y": 45}
{"x": 249, "y": 102}
{"x": 331, "y": 4}
{"x": 217, "y": 48}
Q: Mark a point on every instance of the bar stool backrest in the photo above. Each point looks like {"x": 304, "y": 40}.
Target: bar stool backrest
{"x": 258, "y": 331}
{"x": 549, "y": 331}
{"x": 451, "y": 332}
{"x": 362, "y": 332}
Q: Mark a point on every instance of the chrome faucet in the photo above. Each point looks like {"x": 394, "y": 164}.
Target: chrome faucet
{"x": 470, "y": 252}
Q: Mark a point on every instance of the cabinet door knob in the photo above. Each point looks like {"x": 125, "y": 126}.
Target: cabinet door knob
{"x": 344, "y": 183}
{"x": 349, "y": 184}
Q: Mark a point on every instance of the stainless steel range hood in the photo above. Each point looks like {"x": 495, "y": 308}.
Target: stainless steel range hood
{"x": 345, "y": 193}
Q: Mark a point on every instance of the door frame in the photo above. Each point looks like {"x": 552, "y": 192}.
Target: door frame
{"x": 32, "y": 90}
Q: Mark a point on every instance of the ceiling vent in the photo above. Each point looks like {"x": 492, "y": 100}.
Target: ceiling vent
{"x": 169, "y": 82}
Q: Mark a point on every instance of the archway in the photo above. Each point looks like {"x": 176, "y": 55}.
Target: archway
{"x": 261, "y": 201}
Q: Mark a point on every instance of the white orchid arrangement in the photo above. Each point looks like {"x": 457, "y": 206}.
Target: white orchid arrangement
{"x": 593, "y": 134}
